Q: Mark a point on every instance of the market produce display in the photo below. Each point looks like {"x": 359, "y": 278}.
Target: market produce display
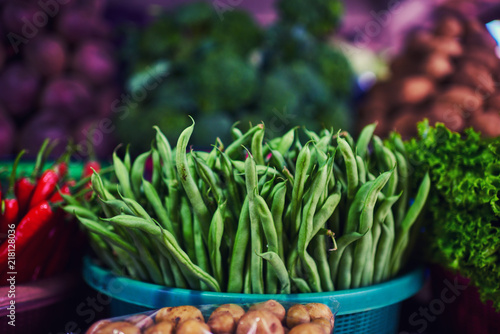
{"x": 258, "y": 215}
{"x": 57, "y": 72}
{"x": 447, "y": 74}
{"x": 266, "y": 318}
{"x": 191, "y": 61}
{"x": 464, "y": 209}
{"x": 37, "y": 239}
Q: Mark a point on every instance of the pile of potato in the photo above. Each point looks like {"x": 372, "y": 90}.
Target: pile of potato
{"x": 263, "y": 318}
{"x": 448, "y": 74}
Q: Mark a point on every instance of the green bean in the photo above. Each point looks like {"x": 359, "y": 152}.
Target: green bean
{"x": 324, "y": 143}
{"x": 189, "y": 184}
{"x": 267, "y": 223}
{"x": 277, "y": 208}
{"x": 122, "y": 174}
{"x": 279, "y": 268}
{"x": 351, "y": 167}
{"x": 277, "y": 160}
{"x": 168, "y": 278}
{"x": 289, "y": 176}
{"x": 312, "y": 135}
{"x": 165, "y": 152}
{"x": 339, "y": 175}
{"x": 247, "y": 284}
{"x": 135, "y": 268}
{"x": 101, "y": 249}
{"x": 187, "y": 228}
{"x": 80, "y": 211}
{"x": 200, "y": 250}
{"x": 126, "y": 158}
{"x": 178, "y": 277}
{"x": 150, "y": 264}
{"x": 268, "y": 187}
{"x": 235, "y": 146}
{"x": 402, "y": 231}
{"x": 235, "y": 132}
{"x": 172, "y": 204}
{"x": 256, "y": 244}
{"x": 236, "y": 267}
{"x": 403, "y": 187}
{"x": 303, "y": 161}
{"x": 344, "y": 280}
{"x": 261, "y": 170}
{"x": 383, "y": 252}
{"x": 137, "y": 173}
{"x": 301, "y": 284}
{"x": 364, "y": 140}
{"x": 257, "y": 140}
{"x": 116, "y": 206}
{"x": 209, "y": 177}
{"x": 98, "y": 187}
{"x": 364, "y": 244}
{"x": 286, "y": 141}
{"x": 158, "y": 208}
{"x": 214, "y": 242}
{"x": 321, "y": 258}
{"x": 157, "y": 170}
{"x": 361, "y": 169}
{"x": 168, "y": 241}
{"x": 324, "y": 213}
{"x": 107, "y": 234}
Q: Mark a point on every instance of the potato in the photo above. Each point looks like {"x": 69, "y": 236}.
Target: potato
{"x": 424, "y": 42}
{"x": 488, "y": 123}
{"x": 452, "y": 115}
{"x": 179, "y": 314}
{"x": 141, "y": 320}
{"x": 193, "y": 326}
{"x": 318, "y": 310}
{"x": 475, "y": 76}
{"x": 308, "y": 329}
{"x": 235, "y": 310}
{"x": 414, "y": 89}
{"x": 449, "y": 25}
{"x": 404, "y": 65}
{"x": 494, "y": 102}
{"x": 465, "y": 97}
{"x": 164, "y": 327}
{"x": 270, "y": 306}
{"x": 325, "y": 323}
{"x": 296, "y": 315}
{"x": 482, "y": 56}
{"x": 222, "y": 323}
{"x": 259, "y": 322}
{"x": 121, "y": 327}
{"x": 437, "y": 65}
{"x": 96, "y": 326}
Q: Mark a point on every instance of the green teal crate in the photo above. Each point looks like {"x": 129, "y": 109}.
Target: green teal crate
{"x": 374, "y": 309}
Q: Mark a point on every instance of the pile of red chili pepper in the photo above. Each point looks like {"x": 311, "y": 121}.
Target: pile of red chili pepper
{"x": 38, "y": 239}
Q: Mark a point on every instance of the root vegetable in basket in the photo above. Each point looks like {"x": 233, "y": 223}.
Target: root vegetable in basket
{"x": 462, "y": 97}
{"x": 179, "y": 314}
{"x": 296, "y": 315}
{"x": 271, "y": 306}
{"x": 121, "y": 327}
{"x": 475, "y": 76}
{"x": 94, "y": 62}
{"x": 424, "y": 42}
{"x": 482, "y": 56}
{"x": 310, "y": 328}
{"x": 320, "y": 311}
{"x": 437, "y": 65}
{"x": 97, "y": 326}
{"x": 488, "y": 122}
{"x": 69, "y": 96}
{"x": 449, "y": 25}
{"x": 161, "y": 328}
{"x": 141, "y": 320}
{"x": 222, "y": 323}
{"x": 450, "y": 114}
{"x": 193, "y": 326}
{"x": 236, "y": 311}
{"x": 494, "y": 102}
{"x": 259, "y": 322}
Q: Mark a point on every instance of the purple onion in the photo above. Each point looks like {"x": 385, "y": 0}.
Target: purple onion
{"x": 3, "y": 55}
{"x": 19, "y": 89}
{"x": 94, "y": 62}
{"x": 100, "y": 136}
{"x": 14, "y": 15}
{"x": 38, "y": 129}
{"x": 46, "y": 54}
{"x": 105, "y": 102}
{"x": 75, "y": 25}
{"x": 7, "y": 133}
{"x": 67, "y": 96}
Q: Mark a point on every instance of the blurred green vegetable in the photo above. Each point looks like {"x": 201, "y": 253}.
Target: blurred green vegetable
{"x": 232, "y": 69}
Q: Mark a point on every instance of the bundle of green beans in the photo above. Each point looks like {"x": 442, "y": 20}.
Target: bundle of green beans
{"x": 257, "y": 215}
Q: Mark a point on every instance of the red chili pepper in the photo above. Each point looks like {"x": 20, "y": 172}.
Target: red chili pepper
{"x": 45, "y": 187}
{"x": 61, "y": 169}
{"x": 33, "y": 225}
{"x": 23, "y": 190}
{"x": 87, "y": 169}
{"x": 56, "y": 197}
{"x": 61, "y": 253}
{"x": 9, "y": 216}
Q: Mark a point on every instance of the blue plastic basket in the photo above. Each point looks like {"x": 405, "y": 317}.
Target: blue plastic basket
{"x": 373, "y": 309}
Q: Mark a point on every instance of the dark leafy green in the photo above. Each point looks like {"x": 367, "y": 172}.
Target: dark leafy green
{"x": 464, "y": 232}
